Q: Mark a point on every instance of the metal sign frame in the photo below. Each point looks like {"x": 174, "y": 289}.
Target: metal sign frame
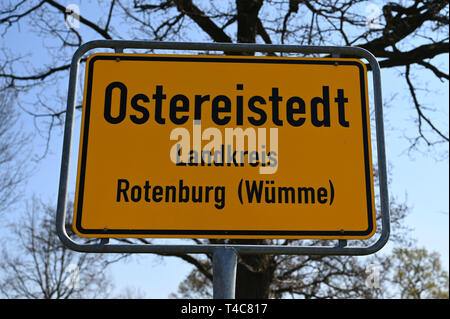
{"x": 222, "y": 252}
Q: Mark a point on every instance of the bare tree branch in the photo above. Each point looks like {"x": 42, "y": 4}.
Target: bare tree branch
{"x": 102, "y": 31}
{"x": 202, "y": 20}
{"x": 420, "y": 114}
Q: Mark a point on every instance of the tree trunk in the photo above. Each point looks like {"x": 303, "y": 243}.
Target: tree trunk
{"x": 247, "y": 20}
{"x": 254, "y": 272}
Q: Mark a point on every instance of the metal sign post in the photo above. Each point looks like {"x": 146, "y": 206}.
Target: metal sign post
{"x": 224, "y": 256}
{"x": 224, "y": 273}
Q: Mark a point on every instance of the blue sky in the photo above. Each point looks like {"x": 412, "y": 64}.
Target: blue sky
{"x": 420, "y": 178}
